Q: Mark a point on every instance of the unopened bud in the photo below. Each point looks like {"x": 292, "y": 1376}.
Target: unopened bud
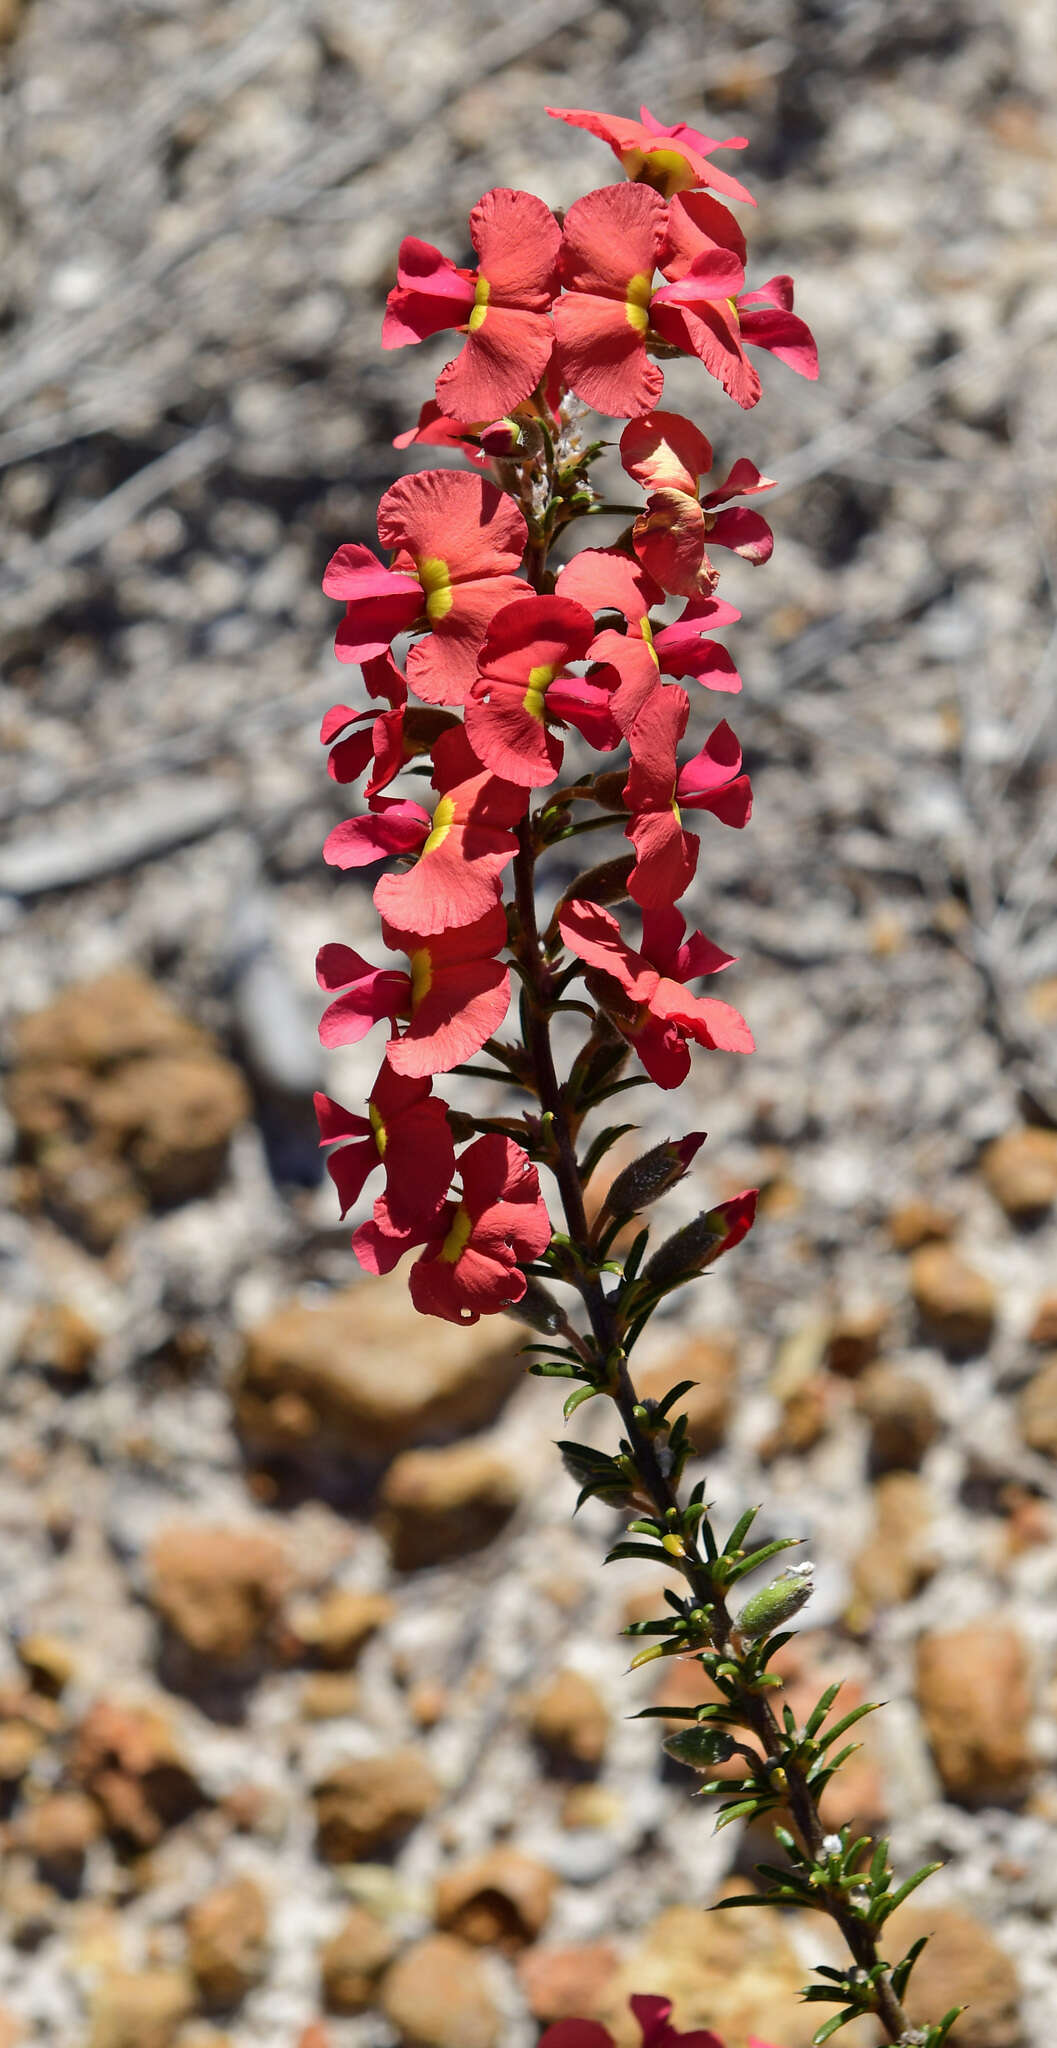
{"x": 777, "y": 1603}
{"x": 697, "y": 1244}
{"x": 606, "y": 883}
{"x": 502, "y": 437}
{"x": 537, "y": 1308}
{"x": 700, "y": 1748}
{"x": 650, "y": 1176}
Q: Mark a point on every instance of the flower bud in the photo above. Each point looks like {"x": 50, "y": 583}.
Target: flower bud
{"x": 697, "y": 1244}
{"x": 700, "y": 1747}
{"x": 537, "y": 1308}
{"x": 650, "y": 1176}
{"x": 606, "y": 883}
{"x": 777, "y": 1603}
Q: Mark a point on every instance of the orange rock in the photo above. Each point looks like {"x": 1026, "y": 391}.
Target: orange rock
{"x": 954, "y": 1301}
{"x": 352, "y": 1961}
{"x": 962, "y": 1964}
{"x": 570, "y": 1719}
{"x": 218, "y": 1589}
{"x": 227, "y": 1934}
{"x": 1043, "y": 1330}
{"x": 126, "y": 1757}
{"x": 499, "y": 1900}
{"x": 855, "y": 1338}
{"x": 336, "y": 1628}
{"x": 902, "y": 1417}
{"x": 437, "y": 1995}
{"x": 1020, "y": 1169}
{"x": 567, "y": 1983}
{"x": 435, "y": 1505}
{"x": 919, "y": 1222}
{"x": 372, "y": 1802}
{"x": 974, "y": 1694}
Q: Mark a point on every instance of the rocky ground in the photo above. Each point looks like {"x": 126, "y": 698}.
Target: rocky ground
{"x": 313, "y": 1715}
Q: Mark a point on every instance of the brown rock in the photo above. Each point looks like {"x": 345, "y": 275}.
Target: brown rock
{"x": 734, "y": 1973}
{"x": 500, "y": 1900}
{"x": 1043, "y": 1330}
{"x": 802, "y": 1423}
{"x": 567, "y": 1983}
{"x": 1021, "y": 1171}
{"x": 118, "y": 1100}
{"x": 902, "y": 1418}
{"x": 898, "y": 1558}
{"x": 437, "y": 1995}
{"x": 590, "y": 1805}
{"x": 351, "y": 1962}
{"x": 372, "y": 1802}
{"x": 961, "y": 1965}
{"x": 363, "y": 1375}
{"x": 11, "y": 2028}
{"x": 1037, "y": 1410}
{"x": 58, "y": 1833}
{"x": 58, "y": 1339}
{"x": 711, "y": 1362}
{"x": 330, "y": 1696}
{"x": 227, "y": 1935}
{"x": 139, "y": 2008}
{"x": 127, "y": 1759}
{"x": 218, "y": 1589}
{"x": 855, "y": 1338}
{"x": 48, "y": 1662}
{"x": 919, "y": 1222}
{"x": 335, "y": 1629}
{"x": 956, "y": 1303}
{"x": 974, "y": 1693}
{"x": 570, "y": 1719}
{"x": 439, "y": 1504}
{"x": 20, "y": 1742}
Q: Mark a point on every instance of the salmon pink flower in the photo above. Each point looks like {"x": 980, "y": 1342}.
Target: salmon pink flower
{"x": 605, "y": 579}
{"x": 670, "y": 159}
{"x": 611, "y": 243}
{"x": 406, "y": 1132}
{"x": 390, "y": 738}
{"x": 668, "y": 456}
{"x": 465, "y": 845}
{"x": 454, "y": 994}
{"x": 456, "y": 542}
{"x": 470, "y": 1266}
{"x": 657, "y": 792}
{"x": 503, "y": 307}
{"x": 436, "y": 430}
{"x": 710, "y": 314}
{"x": 523, "y": 687}
{"x": 644, "y": 994}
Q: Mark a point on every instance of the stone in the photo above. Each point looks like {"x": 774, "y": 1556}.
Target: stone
{"x": 499, "y": 1900}
{"x": 919, "y": 1222}
{"x": 1020, "y": 1170}
{"x": 901, "y": 1415}
{"x": 139, "y": 2008}
{"x": 804, "y": 1417}
{"x": 58, "y": 1832}
{"x": 227, "y": 1935}
{"x": 218, "y": 1589}
{"x": 59, "y": 1340}
{"x": 735, "y": 1973}
{"x": 955, "y": 1302}
{"x": 962, "y": 1964}
{"x": 127, "y": 1758}
{"x": 570, "y": 1719}
{"x": 434, "y": 1505}
{"x": 119, "y": 1103}
{"x": 437, "y": 1995}
{"x": 973, "y": 1689}
{"x": 335, "y": 1629}
{"x": 11, "y": 2028}
{"x": 898, "y": 1558}
{"x": 48, "y": 1661}
{"x": 1043, "y": 1331}
{"x": 567, "y": 1983}
{"x": 855, "y": 1338}
{"x": 712, "y": 1363}
{"x": 363, "y": 1375}
{"x": 371, "y": 1803}
{"x": 1037, "y": 1410}
{"x": 329, "y": 1696}
{"x": 352, "y": 1961}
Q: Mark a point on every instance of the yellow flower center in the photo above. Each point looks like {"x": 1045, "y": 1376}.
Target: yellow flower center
{"x": 637, "y": 301}
{"x": 458, "y": 1237}
{"x": 664, "y": 169}
{"x": 535, "y": 696}
{"x": 647, "y": 634}
{"x": 421, "y": 976}
{"x": 436, "y": 582}
{"x": 480, "y": 304}
{"x": 443, "y": 820}
{"x": 381, "y": 1135}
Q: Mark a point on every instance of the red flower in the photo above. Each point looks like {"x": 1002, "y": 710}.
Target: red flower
{"x": 523, "y": 686}
{"x": 503, "y": 307}
{"x": 454, "y": 994}
{"x": 605, "y": 579}
{"x": 643, "y": 992}
{"x": 671, "y": 159}
{"x": 465, "y": 845}
{"x": 611, "y": 244}
{"x": 470, "y": 1265}
{"x": 391, "y": 738}
{"x": 457, "y": 540}
{"x": 707, "y": 311}
{"x": 654, "y": 2018}
{"x": 667, "y": 455}
{"x": 406, "y": 1131}
{"x": 436, "y": 430}
{"x": 657, "y": 792}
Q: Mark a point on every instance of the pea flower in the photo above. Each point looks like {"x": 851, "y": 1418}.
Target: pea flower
{"x": 668, "y": 456}
{"x": 606, "y": 579}
{"x": 405, "y": 1131}
{"x": 657, "y": 791}
{"x": 503, "y": 307}
{"x": 644, "y": 992}
{"x": 523, "y": 689}
{"x": 671, "y": 159}
{"x": 718, "y": 330}
{"x": 470, "y": 1265}
{"x": 453, "y": 994}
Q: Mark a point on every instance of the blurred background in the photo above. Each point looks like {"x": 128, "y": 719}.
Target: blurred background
{"x": 313, "y": 1709}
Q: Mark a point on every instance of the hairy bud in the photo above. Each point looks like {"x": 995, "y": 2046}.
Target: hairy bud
{"x": 777, "y": 1603}
{"x": 651, "y": 1175}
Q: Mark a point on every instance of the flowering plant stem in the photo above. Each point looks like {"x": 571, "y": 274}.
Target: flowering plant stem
{"x": 506, "y": 655}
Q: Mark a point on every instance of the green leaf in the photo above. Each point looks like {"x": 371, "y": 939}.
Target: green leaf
{"x": 758, "y": 1557}
{"x": 664, "y": 1627}
{"x": 939, "y": 2034}
{"x": 848, "y": 1721}
{"x": 654, "y": 1554}
{"x": 575, "y": 1401}
{"x": 664, "y": 1714}
{"x": 744, "y": 1899}
{"x": 741, "y": 1809}
{"x": 675, "y": 1394}
{"x": 840, "y": 2019}
{"x": 818, "y": 1713}
{"x": 599, "y": 1146}
{"x": 901, "y": 1973}
{"x": 888, "y": 1905}
{"x": 635, "y": 1256}
{"x": 545, "y": 1371}
{"x": 879, "y": 1864}
{"x": 740, "y": 1531}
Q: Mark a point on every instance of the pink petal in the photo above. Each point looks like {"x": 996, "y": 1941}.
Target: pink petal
{"x": 666, "y": 859}
{"x": 610, "y": 236}
{"x": 607, "y": 579}
{"x": 392, "y": 826}
{"x": 603, "y": 357}
{"x": 663, "y": 450}
{"x": 669, "y": 539}
{"x": 697, "y": 222}
{"x": 500, "y": 365}
{"x": 743, "y": 481}
{"x": 464, "y": 1006}
{"x": 517, "y": 239}
{"x": 707, "y": 331}
{"x": 429, "y": 295}
{"x": 462, "y": 520}
{"x": 746, "y": 533}
{"x": 718, "y": 761}
{"x": 785, "y": 336}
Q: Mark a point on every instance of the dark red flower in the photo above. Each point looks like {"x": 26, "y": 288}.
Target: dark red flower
{"x": 470, "y": 1265}
{"x": 657, "y": 791}
{"x": 453, "y": 994}
{"x": 523, "y": 690}
{"x": 644, "y": 993}
{"x": 405, "y": 1131}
